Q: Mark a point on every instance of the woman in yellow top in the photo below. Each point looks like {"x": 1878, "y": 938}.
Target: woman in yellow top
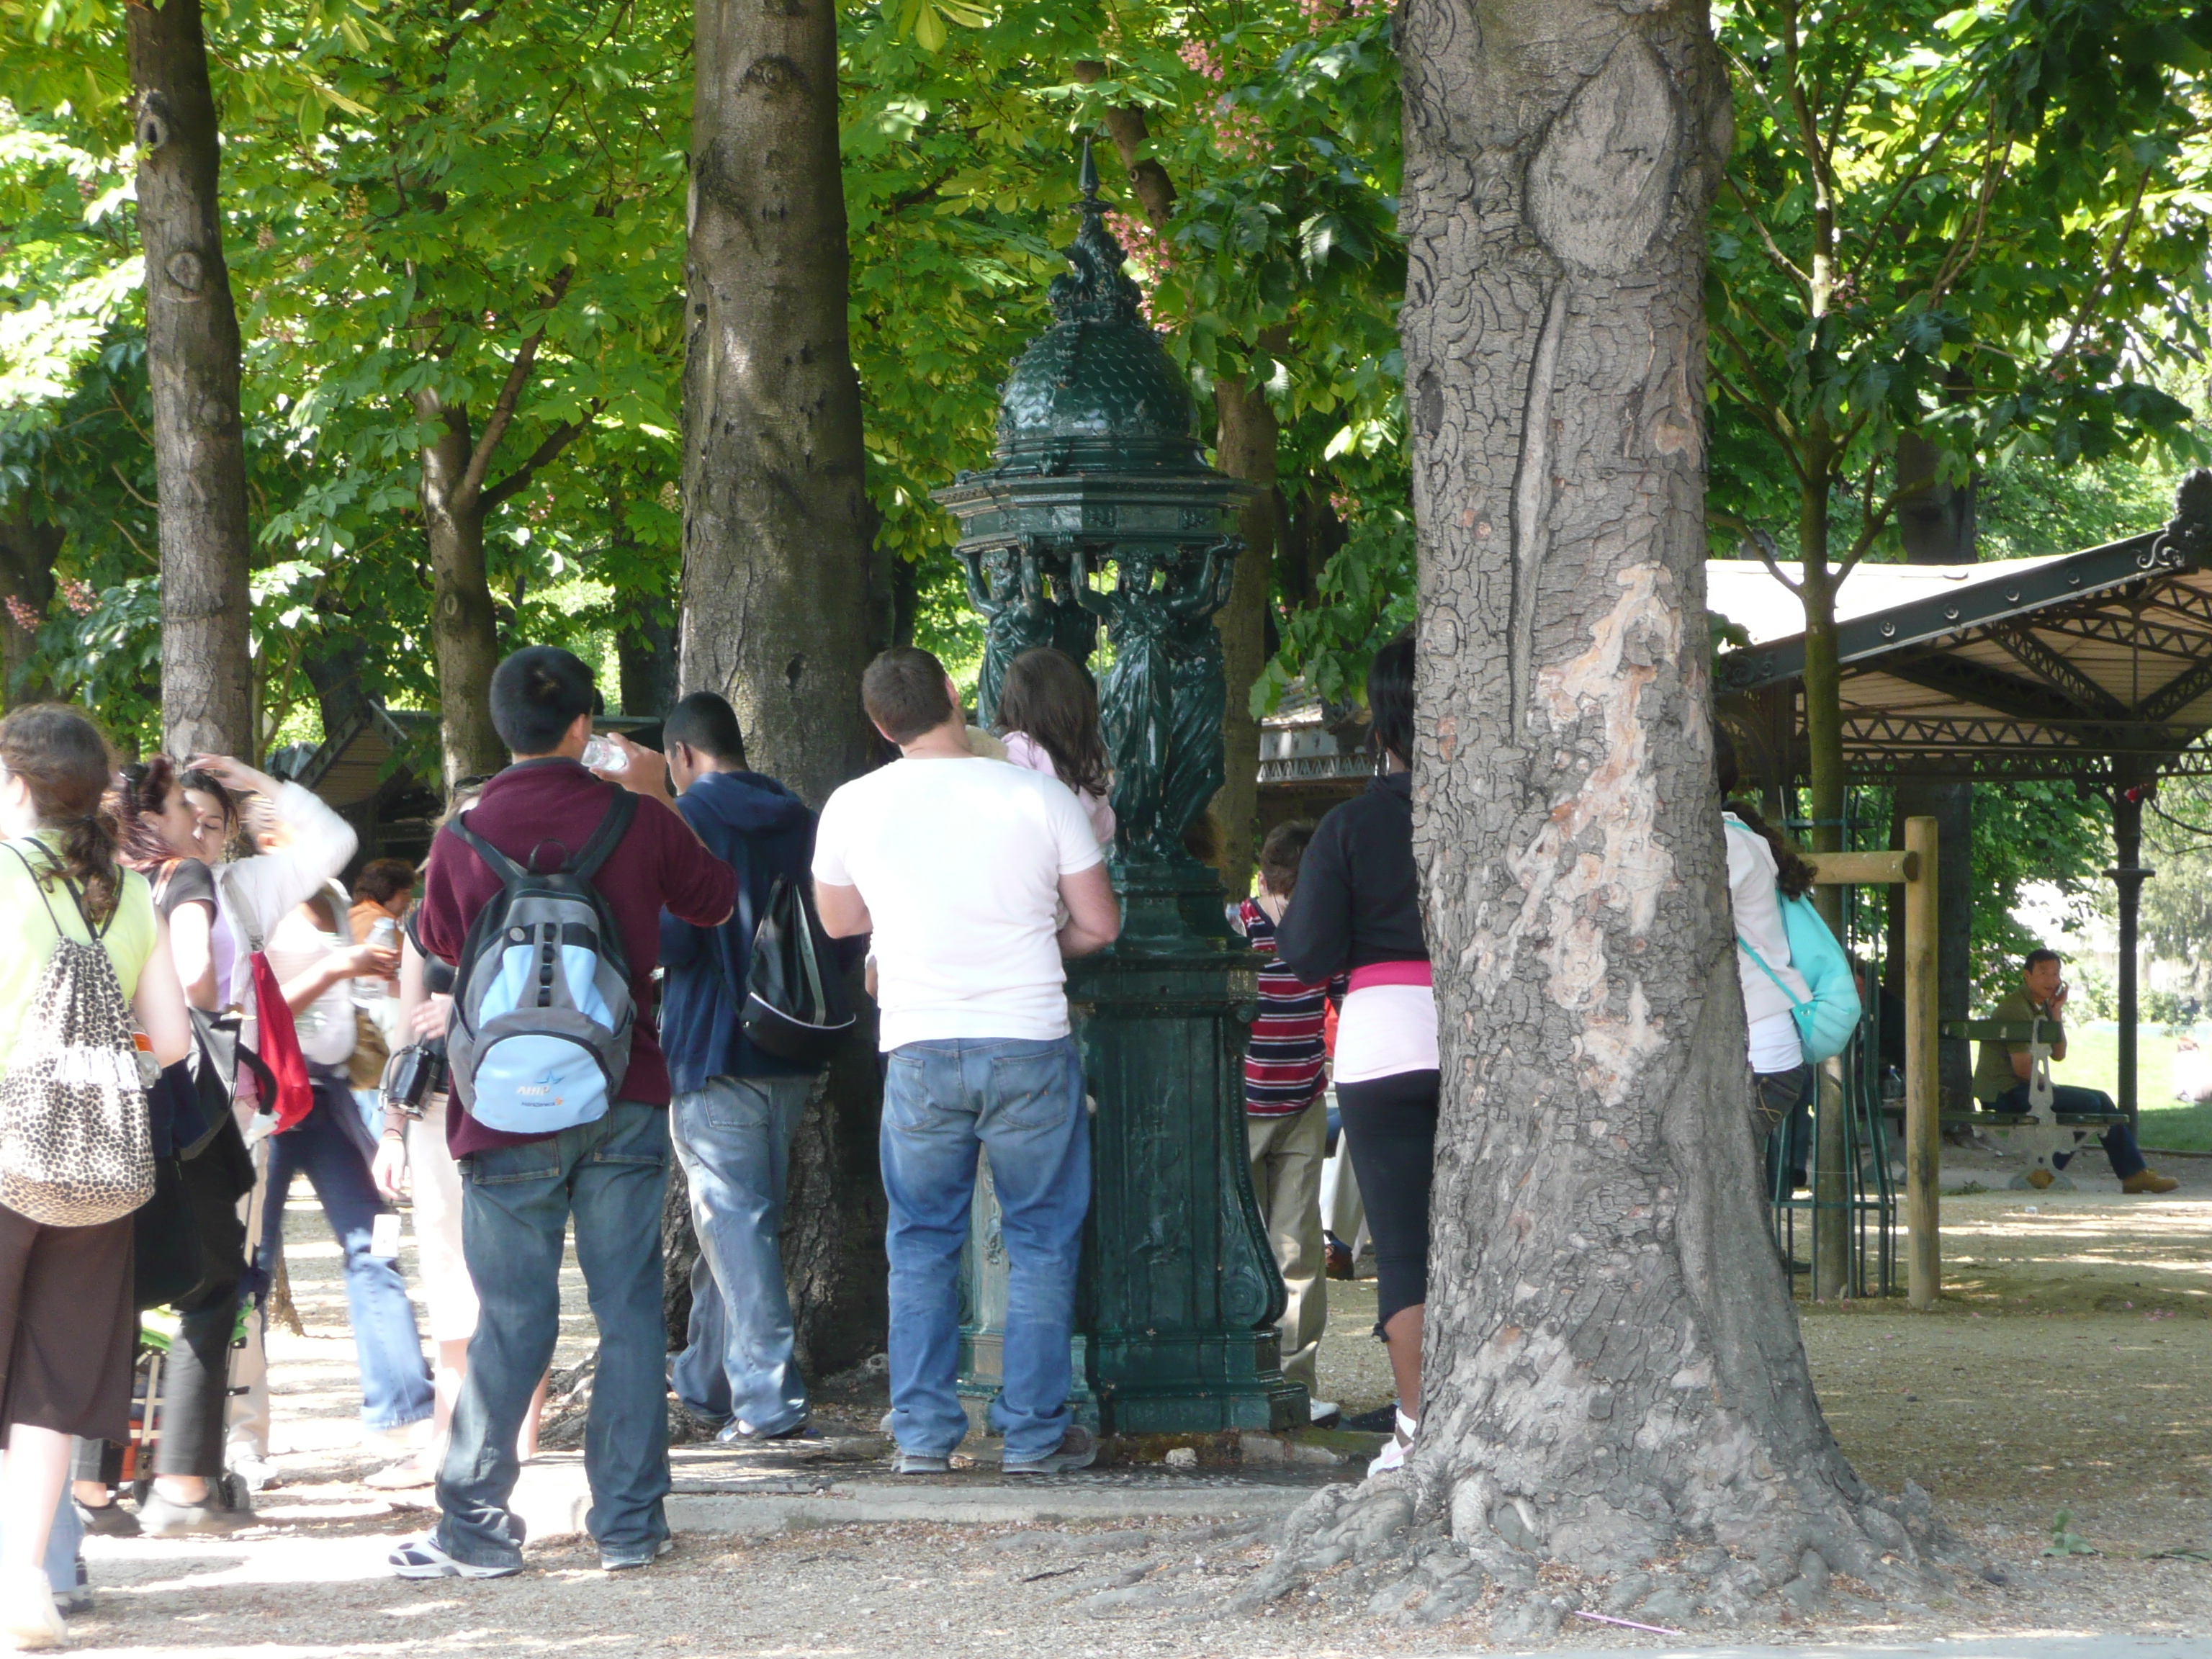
{"x": 67, "y": 1327}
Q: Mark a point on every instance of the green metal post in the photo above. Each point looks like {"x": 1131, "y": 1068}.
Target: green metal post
{"x": 1101, "y": 510}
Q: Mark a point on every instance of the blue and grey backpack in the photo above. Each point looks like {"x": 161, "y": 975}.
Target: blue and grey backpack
{"x": 540, "y": 1034}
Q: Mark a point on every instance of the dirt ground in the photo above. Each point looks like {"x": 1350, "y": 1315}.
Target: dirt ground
{"x": 2065, "y": 1370}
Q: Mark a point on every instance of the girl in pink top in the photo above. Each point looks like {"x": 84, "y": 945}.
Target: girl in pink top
{"x": 1048, "y": 715}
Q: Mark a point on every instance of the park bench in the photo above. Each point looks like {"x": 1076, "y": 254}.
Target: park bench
{"x": 2040, "y": 1131}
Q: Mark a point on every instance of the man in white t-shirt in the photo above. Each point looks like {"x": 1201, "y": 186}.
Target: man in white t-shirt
{"x": 959, "y": 867}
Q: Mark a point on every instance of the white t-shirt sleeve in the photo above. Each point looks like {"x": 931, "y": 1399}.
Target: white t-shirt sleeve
{"x": 830, "y": 863}
{"x": 1075, "y": 840}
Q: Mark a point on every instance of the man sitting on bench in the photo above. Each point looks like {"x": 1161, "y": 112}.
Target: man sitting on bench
{"x": 2002, "y": 1074}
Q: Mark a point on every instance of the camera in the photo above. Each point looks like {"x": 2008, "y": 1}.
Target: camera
{"x": 413, "y": 1075}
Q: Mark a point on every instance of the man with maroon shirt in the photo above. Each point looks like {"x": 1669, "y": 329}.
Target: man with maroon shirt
{"x": 518, "y": 1192}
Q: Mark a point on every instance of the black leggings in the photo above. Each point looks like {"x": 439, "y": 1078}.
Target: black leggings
{"x": 1392, "y": 1124}
{"x": 196, "y": 1380}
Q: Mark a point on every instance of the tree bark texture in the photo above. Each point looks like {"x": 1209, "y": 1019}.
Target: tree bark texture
{"x": 192, "y": 364}
{"x": 777, "y": 529}
{"x": 781, "y": 604}
{"x": 29, "y": 547}
{"x": 463, "y": 626}
{"x": 1614, "y": 1366}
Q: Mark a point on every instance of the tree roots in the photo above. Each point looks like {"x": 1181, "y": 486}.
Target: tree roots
{"x": 1391, "y": 1547}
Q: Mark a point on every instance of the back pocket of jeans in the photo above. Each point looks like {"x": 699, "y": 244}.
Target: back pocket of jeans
{"x": 1034, "y": 1088}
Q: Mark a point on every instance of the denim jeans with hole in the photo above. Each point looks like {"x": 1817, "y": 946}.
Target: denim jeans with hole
{"x": 1019, "y": 1103}
{"x": 733, "y": 1140}
{"x": 516, "y": 1204}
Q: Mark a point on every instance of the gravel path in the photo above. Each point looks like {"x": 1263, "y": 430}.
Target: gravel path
{"x": 2066, "y": 1370}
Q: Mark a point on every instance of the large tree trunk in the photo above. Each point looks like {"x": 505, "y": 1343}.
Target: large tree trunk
{"x": 29, "y": 547}
{"x": 464, "y": 627}
{"x": 192, "y": 360}
{"x": 1613, "y": 1367}
{"x": 778, "y": 612}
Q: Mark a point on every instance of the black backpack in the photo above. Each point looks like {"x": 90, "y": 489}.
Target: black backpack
{"x": 795, "y": 1004}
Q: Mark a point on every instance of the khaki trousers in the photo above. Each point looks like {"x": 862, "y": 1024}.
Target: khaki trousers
{"x": 1287, "y": 1154}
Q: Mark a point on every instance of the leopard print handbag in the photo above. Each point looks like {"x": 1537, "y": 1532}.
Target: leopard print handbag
{"x": 76, "y": 1140}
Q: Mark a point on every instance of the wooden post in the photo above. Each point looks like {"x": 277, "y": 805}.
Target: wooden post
{"x": 1923, "y": 1126}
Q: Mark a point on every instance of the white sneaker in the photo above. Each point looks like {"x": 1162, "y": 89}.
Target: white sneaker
{"x": 1319, "y": 1412}
{"x": 29, "y": 1616}
{"x": 1393, "y": 1457}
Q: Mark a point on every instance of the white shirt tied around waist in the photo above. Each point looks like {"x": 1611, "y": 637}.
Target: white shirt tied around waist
{"x": 1752, "y": 890}
{"x": 1389, "y": 1025}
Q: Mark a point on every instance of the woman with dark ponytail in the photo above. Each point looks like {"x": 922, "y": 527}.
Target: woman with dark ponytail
{"x": 68, "y": 1326}
{"x": 1358, "y": 907}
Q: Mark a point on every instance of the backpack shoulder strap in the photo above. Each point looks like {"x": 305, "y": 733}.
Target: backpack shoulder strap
{"x": 52, "y": 867}
{"x": 241, "y": 913}
{"x": 38, "y": 886}
{"x": 604, "y": 839}
{"x": 504, "y": 867}
{"x": 1751, "y": 951}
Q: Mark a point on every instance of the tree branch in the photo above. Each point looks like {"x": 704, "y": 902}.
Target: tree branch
{"x": 555, "y": 441}
{"x": 1780, "y": 260}
{"x": 502, "y": 413}
{"x": 1872, "y": 237}
{"x": 1873, "y": 521}
{"x": 1762, "y": 544}
{"x": 2111, "y": 268}
{"x": 1125, "y": 124}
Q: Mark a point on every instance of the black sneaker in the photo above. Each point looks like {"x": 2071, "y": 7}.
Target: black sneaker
{"x": 1078, "y": 1449}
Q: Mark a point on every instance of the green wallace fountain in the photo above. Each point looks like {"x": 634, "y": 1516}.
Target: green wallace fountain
{"x": 1101, "y": 511}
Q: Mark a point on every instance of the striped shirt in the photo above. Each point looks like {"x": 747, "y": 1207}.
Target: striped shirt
{"x": 1283, "y": 1064}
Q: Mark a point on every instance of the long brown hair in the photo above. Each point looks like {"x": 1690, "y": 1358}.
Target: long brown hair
{"x": 1046, "y": 696}
{"x": 142, "y": 790}
{"x": 63, "y": 758}
{"x": 1791, "y": 873}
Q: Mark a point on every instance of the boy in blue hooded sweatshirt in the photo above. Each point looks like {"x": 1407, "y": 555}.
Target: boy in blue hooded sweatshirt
{"x": 735, "y": 1107}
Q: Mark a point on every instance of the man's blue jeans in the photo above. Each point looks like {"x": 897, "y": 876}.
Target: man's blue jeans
{"x": 516, "y": 1202}
{"x": 733, "y": 1139}
{"x": 2120, "y": 1147}
{"x": 1021, "y": 1103}
{"x": 395, "y": 1383}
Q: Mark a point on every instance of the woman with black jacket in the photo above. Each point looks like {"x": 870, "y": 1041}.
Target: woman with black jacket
{"x": 1357, "y": 907}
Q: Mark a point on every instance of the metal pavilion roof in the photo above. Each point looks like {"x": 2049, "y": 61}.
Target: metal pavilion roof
{"x": 2095, "y": 665}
